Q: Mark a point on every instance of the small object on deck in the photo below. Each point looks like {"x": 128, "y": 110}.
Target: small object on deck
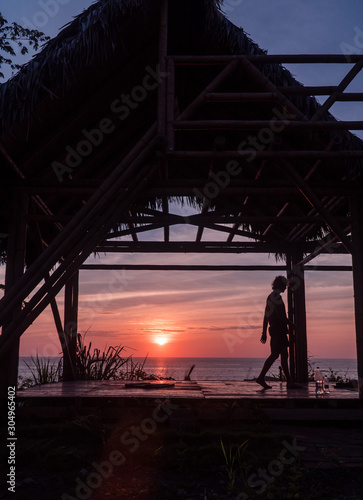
{"x": 326, "y": 385}
{"x": 319, "y": 382}
{"x": 187, "y": 374}
{"x": 129, "y": 385}
{"x": 155, "y": 384}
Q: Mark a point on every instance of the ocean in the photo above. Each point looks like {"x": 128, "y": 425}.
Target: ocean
{"x": 220, "y": 368}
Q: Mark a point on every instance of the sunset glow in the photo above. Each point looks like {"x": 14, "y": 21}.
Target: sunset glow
{"x": 213, "y": 313}
{"x": 161, "y": 340}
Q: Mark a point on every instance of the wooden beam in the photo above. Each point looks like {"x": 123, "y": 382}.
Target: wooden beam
{"x": 266, "y": 155}
{"x": 270, "y": 58}
{"x": 317, "y": 204}
{"x": 297, "y": 283}
{"x": 80, "y": 240}
{"x": 14, "y": 270}
{"x": 170, "y": 105}
{"x": 36, "y": 198}
{"x": 241, "y": 97}
{"x": 321, "y": 90}
{"x": 219, "y": 219}
{"x": 356, "y": 204}
{"x": 213, "y": 247}
{"x": 341, "y": 87}
{"x": 260, "y": 124}
{"x": 180, "y": 267}
{"x": 71, "y": 291}
{"x": 84, "y": 219}
{"x": 72, "y": 261}
{"x": 163, "y": 52}
{"x": 309, "y": 174}
{"x": 332, "y": 205}
{"x": 211, "y": 87}
{"x": 325, "y": 245}
{"x": 291, "y": 315}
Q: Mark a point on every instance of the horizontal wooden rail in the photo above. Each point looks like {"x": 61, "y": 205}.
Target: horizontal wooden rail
{"x": 264, "y": 155}
{"x": 270, "y": 58}
{"x": 209, "y": 247}
{"x": 226, "y": 268}
{"x": 273, "y": 124}
{"x": 288, "y": 91}
{"x": 241, "y": 97}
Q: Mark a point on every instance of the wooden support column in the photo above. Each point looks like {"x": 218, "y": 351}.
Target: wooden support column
{"x": 290, "y": 315}
{"x": 356, "y": 208}
{"x": 299, "y": 308}
{"x": 14, "y": 270}
{"x": 70, "y": 327}
{"x": 163, "y": 52}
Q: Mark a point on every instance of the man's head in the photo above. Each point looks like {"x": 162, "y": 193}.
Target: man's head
{"x": 279, "y": 283}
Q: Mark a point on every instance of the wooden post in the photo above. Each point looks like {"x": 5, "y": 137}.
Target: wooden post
{"x": 14, "y": 270}
{"x": 163, "y": 52}
{"x": 291, "y": 315}
{"x": 70, "y": 327}
{"x": 356, "y": 208}
{"x": 170, "y": 105}
{"x": 298, "y": 297}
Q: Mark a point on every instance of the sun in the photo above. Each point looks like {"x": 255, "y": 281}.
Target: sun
{"x": 161, "y": 340}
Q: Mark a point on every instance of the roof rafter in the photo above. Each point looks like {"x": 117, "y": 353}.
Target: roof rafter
{"x": 317, "y": 204}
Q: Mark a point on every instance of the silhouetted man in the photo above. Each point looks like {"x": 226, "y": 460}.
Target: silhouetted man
{"x": 275, "y": 316}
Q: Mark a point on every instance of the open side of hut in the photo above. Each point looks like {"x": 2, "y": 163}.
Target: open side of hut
{"x": 137, "y": 103}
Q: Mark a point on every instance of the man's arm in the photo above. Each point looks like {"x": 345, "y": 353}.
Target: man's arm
{"x": 264, "y": 327}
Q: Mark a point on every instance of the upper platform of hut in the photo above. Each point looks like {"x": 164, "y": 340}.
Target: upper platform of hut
{"x": 208, "y": 117}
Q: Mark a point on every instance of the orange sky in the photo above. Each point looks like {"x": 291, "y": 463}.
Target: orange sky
{"x": 193, "y": 314}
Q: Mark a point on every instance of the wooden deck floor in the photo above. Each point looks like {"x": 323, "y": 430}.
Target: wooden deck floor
{"x": 207, "y": 399}
{"x": 329, "y": 427}
{"x": 203, "y": 389}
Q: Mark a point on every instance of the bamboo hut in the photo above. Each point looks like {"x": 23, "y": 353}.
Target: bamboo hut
{"x": 138, "y": 103}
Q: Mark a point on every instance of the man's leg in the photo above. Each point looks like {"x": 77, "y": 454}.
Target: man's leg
{"x": 285, "y": 366}
{"x": 267, "y": 365}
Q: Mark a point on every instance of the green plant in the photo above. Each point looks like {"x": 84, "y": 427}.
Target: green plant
{"x": 14, "y": 35}
{"x": 236, "y": 466}
{"x": 94, "y": 365}
{"x": 109, "y": 365}
{"x": 43, "y": 371}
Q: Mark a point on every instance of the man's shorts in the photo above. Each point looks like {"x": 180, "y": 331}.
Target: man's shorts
{"x": 279, "y": 340}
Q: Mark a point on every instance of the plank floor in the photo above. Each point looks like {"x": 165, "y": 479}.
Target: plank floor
{"x": 329, "y": 427}
{"x": 203, "y": 389}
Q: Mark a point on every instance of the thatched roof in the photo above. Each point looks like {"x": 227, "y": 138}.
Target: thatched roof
{"x": 102, "y": 54}
{"x": 103, "y": 31}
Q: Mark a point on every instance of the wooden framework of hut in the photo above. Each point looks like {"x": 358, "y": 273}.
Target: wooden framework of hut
{"x": 125, "y": 111}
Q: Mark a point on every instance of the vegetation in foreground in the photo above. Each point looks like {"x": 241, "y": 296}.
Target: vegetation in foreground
{"x": 187, "y": 461}
{"x": 91, "y": 364}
